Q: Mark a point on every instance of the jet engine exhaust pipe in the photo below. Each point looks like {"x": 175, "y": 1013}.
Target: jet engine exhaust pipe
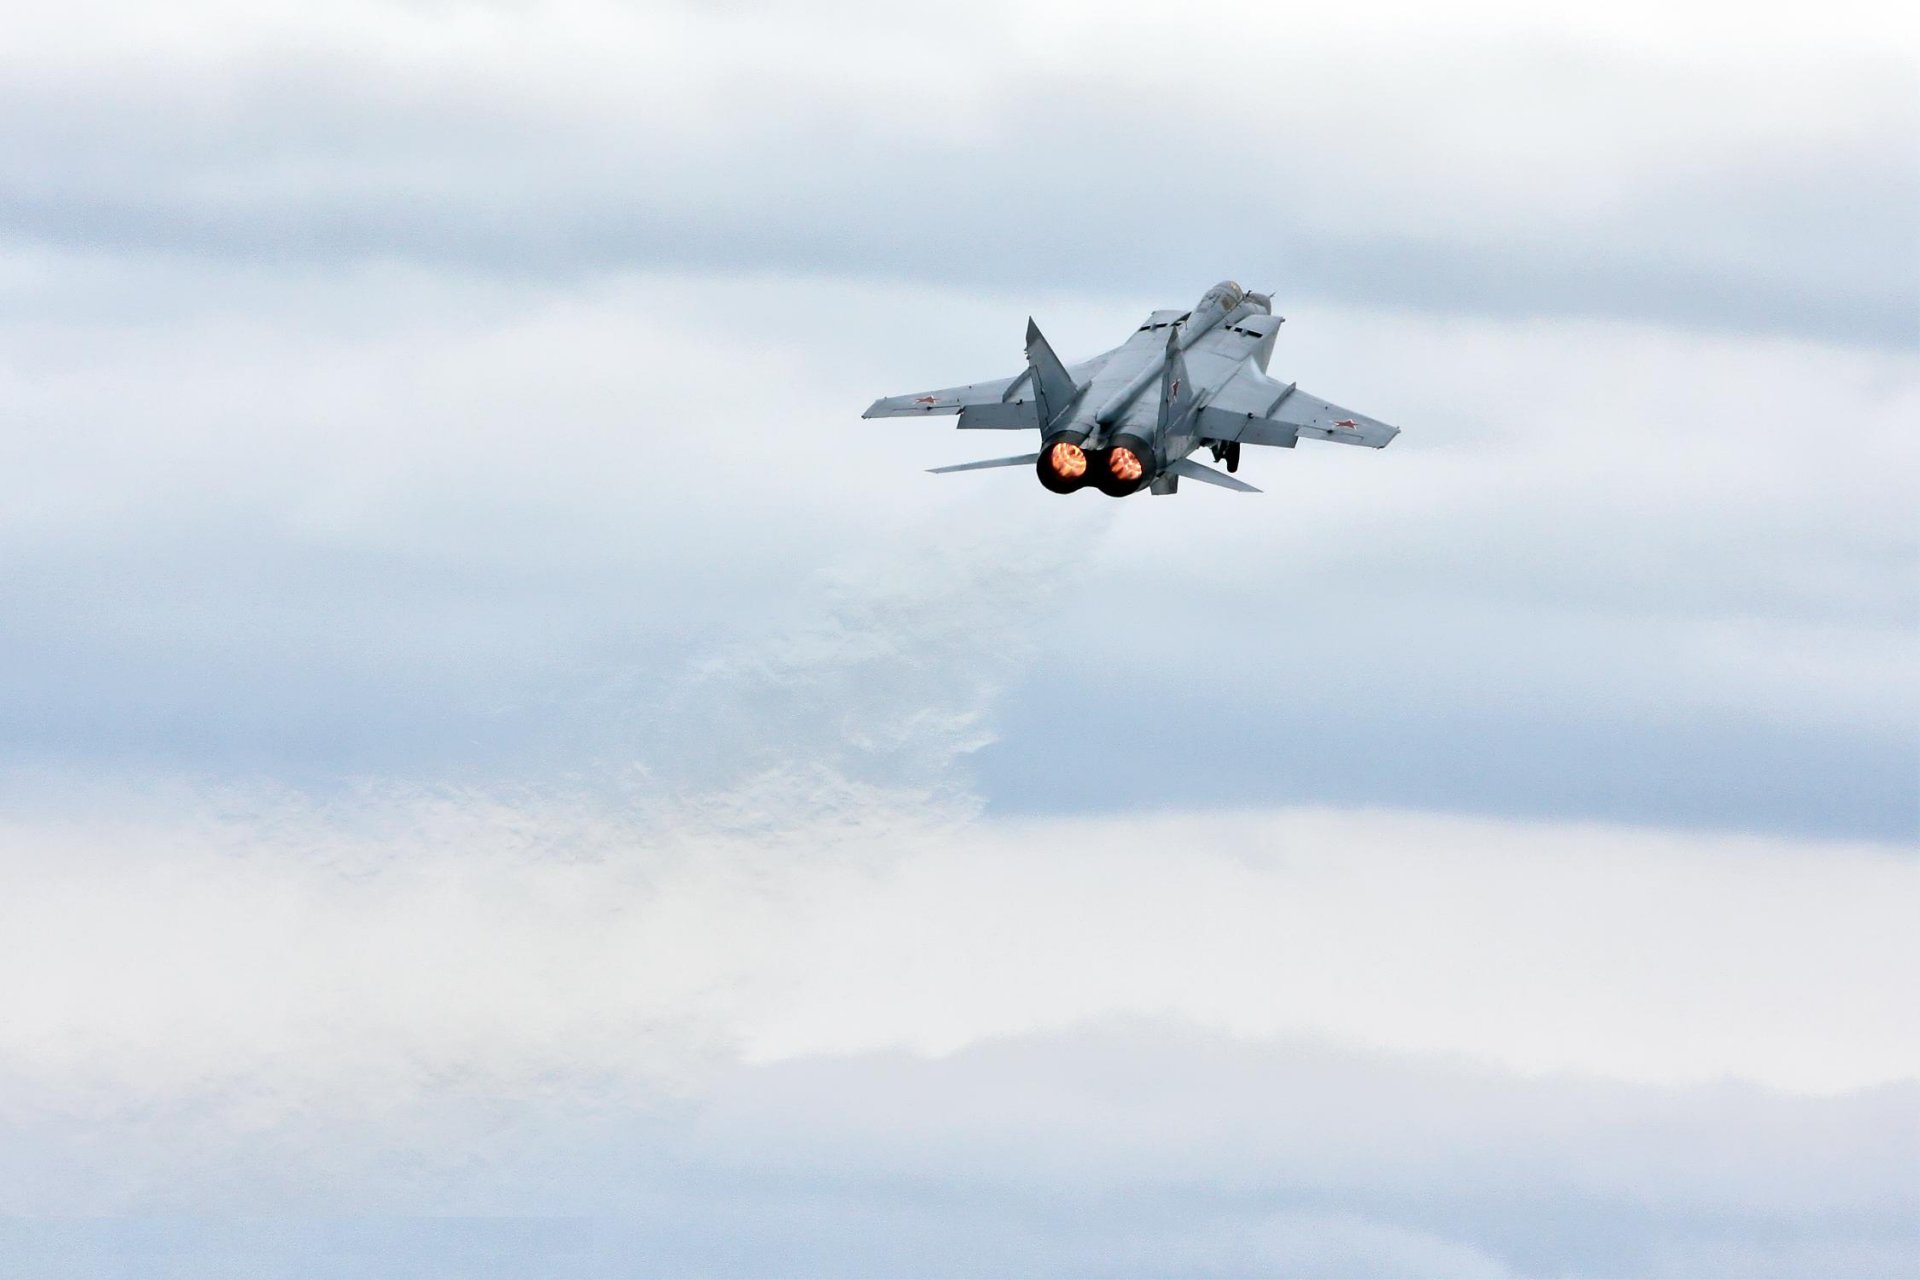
{"x": 1064, "y": 464}
{"x": 1126, "y": 465}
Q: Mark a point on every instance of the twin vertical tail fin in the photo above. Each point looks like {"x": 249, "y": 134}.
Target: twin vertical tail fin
{"x": 1053, "y": 387}
{"x": 1176, "y": 391}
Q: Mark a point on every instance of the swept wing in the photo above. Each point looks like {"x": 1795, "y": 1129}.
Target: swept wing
{"x": 1045, "y": 391}
{"x": 1254, "y": 409}
{"x": 1005, "y": 404}
{"x": 953, "y": 399}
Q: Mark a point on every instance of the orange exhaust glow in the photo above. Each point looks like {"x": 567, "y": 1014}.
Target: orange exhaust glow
{"x": 1067, "y": 460}
{"x": 1125, "y": 465}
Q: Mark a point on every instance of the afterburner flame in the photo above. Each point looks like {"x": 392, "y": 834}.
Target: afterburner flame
{"x": 1125, "y": 465}
{"x": 1067, "y": 460}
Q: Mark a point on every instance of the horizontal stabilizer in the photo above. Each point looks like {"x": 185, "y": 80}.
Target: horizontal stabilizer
{"x": 1024, "y": 460}
{"x": 1207, "y": 475}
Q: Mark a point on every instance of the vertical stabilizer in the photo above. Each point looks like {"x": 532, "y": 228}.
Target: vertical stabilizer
{"x": 1176, "y": 390}
{"x": 1053, "y": 386}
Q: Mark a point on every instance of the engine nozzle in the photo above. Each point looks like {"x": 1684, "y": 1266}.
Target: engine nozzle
{"x": 1064, "y": 465}
{"x": 1126, "y": 465}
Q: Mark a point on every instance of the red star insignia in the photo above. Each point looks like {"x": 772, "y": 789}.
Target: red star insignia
{"x": 1346, "y": 422}
{"x": 928, "y": 400}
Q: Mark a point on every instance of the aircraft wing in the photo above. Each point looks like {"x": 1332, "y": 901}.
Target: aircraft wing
{"x": 947, "y": 399}
{"x": 1254, "y": 409}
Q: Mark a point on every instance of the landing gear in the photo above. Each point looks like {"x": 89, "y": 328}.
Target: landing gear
{"x": 1233, "y": 455}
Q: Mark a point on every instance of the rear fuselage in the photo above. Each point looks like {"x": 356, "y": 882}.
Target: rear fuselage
{"x": 1136, "y": 417}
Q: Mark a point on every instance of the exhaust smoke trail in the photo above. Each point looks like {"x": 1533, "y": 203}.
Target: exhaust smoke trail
{"x": 258, "y": 953}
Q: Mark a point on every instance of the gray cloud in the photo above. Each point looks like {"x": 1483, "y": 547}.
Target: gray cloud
{"x": 1230, "y": 748}
{"x": 1130, "y": 1149}
{"x": 1550, "y": 178}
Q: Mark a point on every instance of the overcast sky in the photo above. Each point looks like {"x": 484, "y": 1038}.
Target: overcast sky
{"x": 505, "y": 773}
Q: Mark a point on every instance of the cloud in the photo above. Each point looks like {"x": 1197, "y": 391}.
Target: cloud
{"x": 392, "y": 946}
{"x": 837, "y": 741}
{"x": 744, "y": 983}
{"x": 463, "y": 511}
{"x": 486, "y": 731}
{"x": 659, "y": 1039}
{"x": 1493, "y": 164}
{"x": 1399, "y": 933}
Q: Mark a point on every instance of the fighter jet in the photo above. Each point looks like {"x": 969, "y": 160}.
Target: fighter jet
{"x": 1099, "y": 426}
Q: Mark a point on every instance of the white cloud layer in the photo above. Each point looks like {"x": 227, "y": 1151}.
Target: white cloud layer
{"x": 1278, "y": 1035}
{"x": 468, "y": 940}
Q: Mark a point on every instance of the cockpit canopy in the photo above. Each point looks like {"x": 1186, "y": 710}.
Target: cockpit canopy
{"x": 1224, "y": 296}
{"x": 1227, "y": 295}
